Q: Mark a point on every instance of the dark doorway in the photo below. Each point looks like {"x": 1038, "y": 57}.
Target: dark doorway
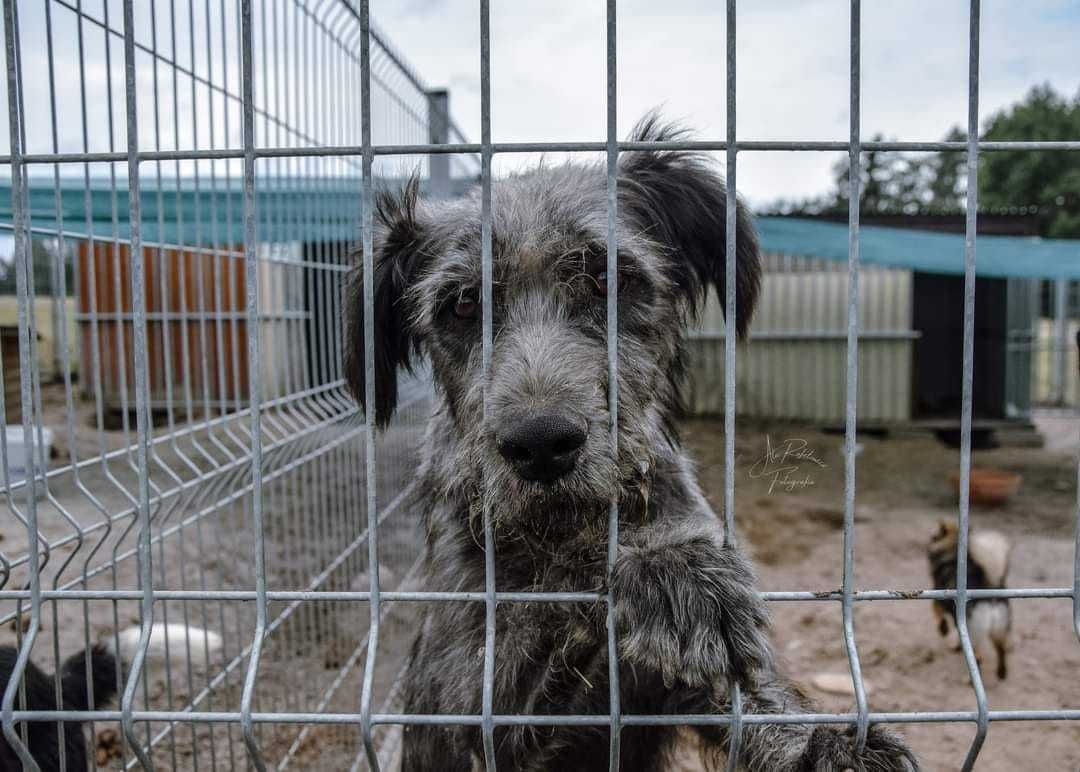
{"x": 938, "y": 314}
{"x": 321, "y": 306}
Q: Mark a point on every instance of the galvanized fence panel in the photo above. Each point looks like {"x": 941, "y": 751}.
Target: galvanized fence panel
{"x": 210, "y": 471}
{"x": 209, "y": 165}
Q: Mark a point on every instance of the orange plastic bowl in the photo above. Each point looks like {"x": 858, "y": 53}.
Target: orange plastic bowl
{"x": 991, "y": 487}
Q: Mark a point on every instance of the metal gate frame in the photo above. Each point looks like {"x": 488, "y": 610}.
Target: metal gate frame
{"x": 366, "y": 719}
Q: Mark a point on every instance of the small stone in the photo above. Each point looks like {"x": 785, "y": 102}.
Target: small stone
{"x": 836, "y": 683}
{"x": 109, "y": 746}
{"x": 876, "y": 656}
{"x": 24, "y": 623}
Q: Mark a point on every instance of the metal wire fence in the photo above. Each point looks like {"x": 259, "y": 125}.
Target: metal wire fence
{"x": 205, "y": 167}
{"x": 205, "y": 444}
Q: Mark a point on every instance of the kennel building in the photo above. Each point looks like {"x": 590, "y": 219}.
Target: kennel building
{"x": 910, "y": 283}
{"x": 197, "y": 173}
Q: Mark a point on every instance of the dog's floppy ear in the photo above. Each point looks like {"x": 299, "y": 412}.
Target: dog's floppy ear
{"x": 397, "y": 244}
{"x": 677, "y": 199}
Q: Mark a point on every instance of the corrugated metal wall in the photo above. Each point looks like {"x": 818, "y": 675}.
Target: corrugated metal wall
{"x": 1045, "y": 348}
{"x": 793, "y": 366}
{"x": 197, "y": 325}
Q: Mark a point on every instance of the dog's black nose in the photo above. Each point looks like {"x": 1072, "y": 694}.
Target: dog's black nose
{"x": 541, "y": 447}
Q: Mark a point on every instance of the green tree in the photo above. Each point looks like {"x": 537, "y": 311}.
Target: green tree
{"x": 1049, "y": 179}
{"x": 948, "y": 175}
{"x": 43, "y": 257}
{"x": 1046, "y": 179}
{"x": 878, "y": 172}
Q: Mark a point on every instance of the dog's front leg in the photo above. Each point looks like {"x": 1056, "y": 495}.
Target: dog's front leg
{"x": 687, "y": 608}
{"x": 429, "y": 747}
{"x": 800, "y": 747}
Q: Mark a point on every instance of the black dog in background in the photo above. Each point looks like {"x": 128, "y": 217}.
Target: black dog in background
{"x": 42, "y": 737}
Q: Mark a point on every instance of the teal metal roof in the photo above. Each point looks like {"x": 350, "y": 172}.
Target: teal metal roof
{"x": 329, "y": 210}
{"x": 929, "y": 251}
{"x": 208, "y": 213}
{"x": 211, "y": 213}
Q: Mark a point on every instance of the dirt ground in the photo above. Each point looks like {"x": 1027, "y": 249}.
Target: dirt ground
{"x": 793, "y": 530}
{"x": 203, "y": 536}
{"x": 794, "y": 533}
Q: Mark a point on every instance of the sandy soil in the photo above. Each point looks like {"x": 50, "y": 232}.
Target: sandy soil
{"x": 315, "y": 658}
{"x": 314, "y": 513}
{"x": 795, "y": 536}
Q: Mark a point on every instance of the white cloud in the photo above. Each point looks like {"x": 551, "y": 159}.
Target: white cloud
{"x": 548, "y": 74}
{"x": 548, "y": 69}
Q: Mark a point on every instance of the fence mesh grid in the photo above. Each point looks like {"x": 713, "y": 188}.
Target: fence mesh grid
{"x": 185, "y": 194}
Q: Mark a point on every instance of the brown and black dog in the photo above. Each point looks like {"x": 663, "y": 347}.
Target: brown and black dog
{"x": 989, "y": 619}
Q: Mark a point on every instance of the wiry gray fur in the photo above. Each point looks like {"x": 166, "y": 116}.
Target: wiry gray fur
{"x": 690, "y": 621}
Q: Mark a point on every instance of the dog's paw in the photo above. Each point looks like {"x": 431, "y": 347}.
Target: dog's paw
{"x": 690, "y": 613}
{"x": 833, "y": 750}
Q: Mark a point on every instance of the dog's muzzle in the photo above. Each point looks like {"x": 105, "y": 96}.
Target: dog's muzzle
{"x": 541, "y": 447}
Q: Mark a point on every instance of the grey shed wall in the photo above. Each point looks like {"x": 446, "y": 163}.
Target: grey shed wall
{"x": 793, "y": 365}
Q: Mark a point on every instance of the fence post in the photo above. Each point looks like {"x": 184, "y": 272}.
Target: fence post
{"x": 1061, "y": 341}
{"x": 56, "y": 264}
{"x": 439, "y": 134}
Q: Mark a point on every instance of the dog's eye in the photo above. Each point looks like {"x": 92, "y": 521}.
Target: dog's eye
{"x": 466, "y": 307}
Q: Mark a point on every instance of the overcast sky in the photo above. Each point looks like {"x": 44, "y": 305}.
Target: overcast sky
{"x": 548, "y": 69}
{"x": 548, "y": 74}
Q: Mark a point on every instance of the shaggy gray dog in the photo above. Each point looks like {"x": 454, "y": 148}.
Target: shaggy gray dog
{"x": 690, "y": 622}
